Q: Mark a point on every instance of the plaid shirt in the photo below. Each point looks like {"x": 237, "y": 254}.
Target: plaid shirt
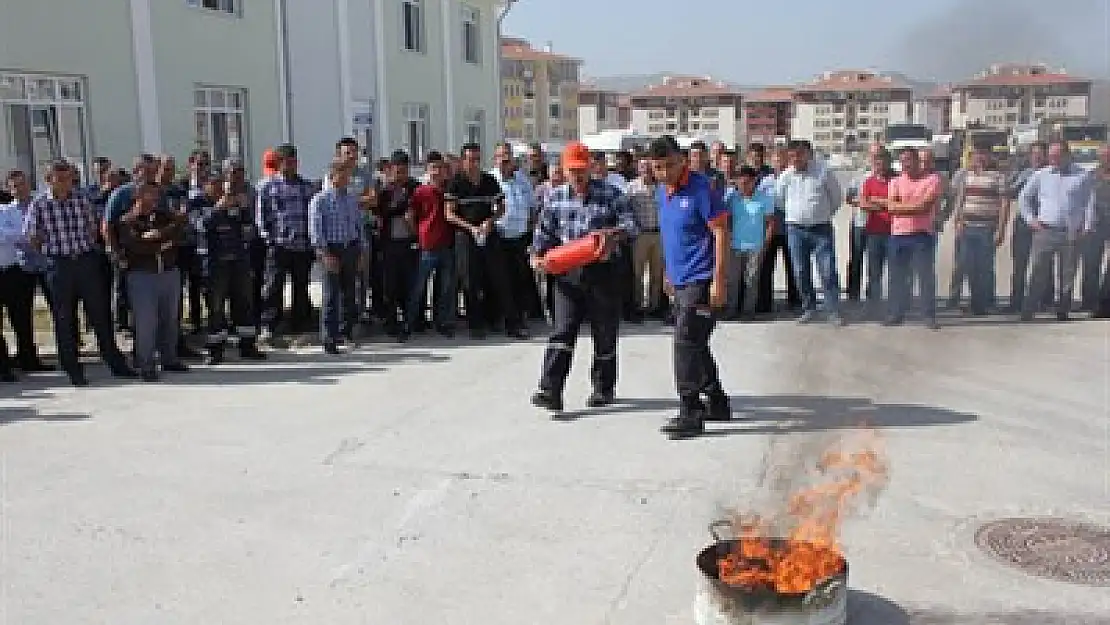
{"x": 335, "y": 220}
{"x": 565, "y": 217}
{"x": 283, "y": 212}
{"x": 64, "y": 226}
{"x": 645, "y": 203}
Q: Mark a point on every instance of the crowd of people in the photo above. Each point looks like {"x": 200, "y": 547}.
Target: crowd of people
{"x": 161, "y": 256}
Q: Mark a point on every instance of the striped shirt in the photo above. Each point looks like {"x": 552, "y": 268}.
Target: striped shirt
{"x": 519, "y": 204}
{"x": 65, "y": 226}
{"x": 982, "y": 195}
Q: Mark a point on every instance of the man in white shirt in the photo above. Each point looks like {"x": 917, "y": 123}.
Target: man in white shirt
{"x": 515, "y": 228}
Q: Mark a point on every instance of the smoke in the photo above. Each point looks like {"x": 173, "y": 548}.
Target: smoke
{"x": 973, "y": 34}
{"x": 837, "y": 475}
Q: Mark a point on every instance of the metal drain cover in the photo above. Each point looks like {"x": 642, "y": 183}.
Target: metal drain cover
{"x": 1057, "y": 549}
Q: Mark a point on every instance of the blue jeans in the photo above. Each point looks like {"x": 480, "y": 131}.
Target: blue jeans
{"x": 155, "y": 304}
{"x": 913, "y": 256}
{"x": 340, "y": 310}
{"x": 442, "y": 262}
{"x": 878, "y": 246}
{"x": 807, "y": 243}
{"x": 977, "y": 257}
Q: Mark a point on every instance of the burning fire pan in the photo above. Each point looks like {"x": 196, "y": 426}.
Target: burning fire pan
{"x": 719, "y": 603}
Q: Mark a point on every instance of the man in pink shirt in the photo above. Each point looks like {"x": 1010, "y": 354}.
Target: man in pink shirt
{"x": 913, "y": 242}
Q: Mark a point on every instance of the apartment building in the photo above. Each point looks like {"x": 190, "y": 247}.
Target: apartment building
{"x": 842, "y": 111}
{"x": 689, "y": 106}
{"x": 1005, "y": 96}
{"x": 600, "y": 110}
{"x": 539, "y": 92}
{"x": 417, "y": 75}
{"x": 934, "y": 110}
{"x": 119, "y": 77}
{"x": 767, "y": 115}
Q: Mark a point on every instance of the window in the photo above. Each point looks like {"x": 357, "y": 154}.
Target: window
{"x": 655, "y": 128}
{"x": 709, "y": 113}
{"x": 471, "y": 39}
{"x": 231, "y": 7}
{"x": 555, "y": 131}
{"x": 416, "y": 130}
{"x": 710, "y": 126}
{"x": 475, "y": 126}
{"x": 220, "y": 118}
{"x": 864, "y": 134}
{"x": 529, "y": 109}
{"x": 42, "y": 118}
{"x": 862, "y": 121}
{"x": 1039, "y": 103}
{"x": 412, "y": 25}
{"x": 529, "y": 132}
{"x": 655, "y": 114}
{"x": 554, "y": 110}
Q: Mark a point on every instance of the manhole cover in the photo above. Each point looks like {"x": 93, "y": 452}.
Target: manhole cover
{"x": 1056, "y": 549}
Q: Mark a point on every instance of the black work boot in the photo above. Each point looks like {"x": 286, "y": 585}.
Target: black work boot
{"x": 248, "y": 350}
{"x": 689, "y": 422}
{"x": 215, "y": 355}
{"x": 548, "y": 400}
{"x": 720, "y": 409}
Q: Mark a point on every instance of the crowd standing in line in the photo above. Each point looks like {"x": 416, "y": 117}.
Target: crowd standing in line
{"x": 690, "y": 237}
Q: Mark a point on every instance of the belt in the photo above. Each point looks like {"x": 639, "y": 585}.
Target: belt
{"x": 68, "y": 256}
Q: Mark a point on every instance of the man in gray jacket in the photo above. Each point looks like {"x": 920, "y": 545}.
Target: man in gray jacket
{"x": 810, "y": 195}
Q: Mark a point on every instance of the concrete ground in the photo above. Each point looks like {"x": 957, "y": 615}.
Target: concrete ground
{"x": 415, "y": 485}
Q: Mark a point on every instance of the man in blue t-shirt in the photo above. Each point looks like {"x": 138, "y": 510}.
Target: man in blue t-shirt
{"x": 752, "y": 211}
{"x": 693, "y": 226}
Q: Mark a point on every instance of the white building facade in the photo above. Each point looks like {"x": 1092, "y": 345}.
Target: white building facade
{"x": 843, "y": 111}
{"x": 121, "y": 77}
{"x": 1010, "y": 96}
{"x": 416, "y": 75}
{"x": 693, "y": 107}
{"x": 117, "y": 78}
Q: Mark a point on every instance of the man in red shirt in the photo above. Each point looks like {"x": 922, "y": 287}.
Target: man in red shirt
{"x": 435, "y": 238}
{"x": 873, "y": 201}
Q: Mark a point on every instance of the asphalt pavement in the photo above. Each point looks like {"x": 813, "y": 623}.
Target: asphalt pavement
{"x": 415, "y": 485}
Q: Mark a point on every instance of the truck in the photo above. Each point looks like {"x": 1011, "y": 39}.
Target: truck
{"x": 995, "y": 140}
{"x": 1084, "y": 141}
{"x": 898, "y": 137}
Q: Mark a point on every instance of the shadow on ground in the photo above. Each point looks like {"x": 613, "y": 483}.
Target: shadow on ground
{"x": 778, "y": 414}
{"x": 868, "y": 609}
{"x": 9, "y": 416}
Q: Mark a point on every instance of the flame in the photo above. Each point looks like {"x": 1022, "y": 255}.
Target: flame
{"x": 814, "y": 514}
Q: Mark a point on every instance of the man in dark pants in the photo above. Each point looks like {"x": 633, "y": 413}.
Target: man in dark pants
{"x": 575, "y": 210}
{"x": 60, "y": 224}
{"x": 18, "y": 289}
{"x": 283, "y": 223}
{"x": 336, "y": 230}
{"x": 1021, "y": 242}
{"x": 776, "y": 243}
{"x": 144, "y": 169}
{"x": 693, "y": 223}
{"x": 514, "y": 229}
{"x": 473, "y": 202}
{"x": 400, "y": 254}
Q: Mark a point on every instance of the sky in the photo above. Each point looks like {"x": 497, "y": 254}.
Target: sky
{"x": 777, "y": 42}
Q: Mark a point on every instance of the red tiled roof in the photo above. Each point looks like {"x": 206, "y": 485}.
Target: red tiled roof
{"x": 1021, "y": 80}
{"x": 851, "y": 80}
{"x": 678, "y": 86}
{"x": 520, "y": 50}
{"x": 771, "y": 94}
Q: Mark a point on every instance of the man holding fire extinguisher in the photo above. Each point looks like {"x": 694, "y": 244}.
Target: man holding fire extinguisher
{"x": 594, "y": 217}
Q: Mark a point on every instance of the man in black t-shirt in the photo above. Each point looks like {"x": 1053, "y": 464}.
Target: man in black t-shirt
{"x": 472, "y": 203}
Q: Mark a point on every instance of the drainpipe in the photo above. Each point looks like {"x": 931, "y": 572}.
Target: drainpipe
{"x": 285, "y": 100}
{"x": 500, "y": 110}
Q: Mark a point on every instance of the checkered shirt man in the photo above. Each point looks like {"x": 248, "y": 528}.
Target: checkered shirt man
{"x": 646, "y": 205}
{"x": 283, "y": 212}
{"x": 65, "y": 227}
{"x": 565, "y": 218}
{"x": 335, "y": 220}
